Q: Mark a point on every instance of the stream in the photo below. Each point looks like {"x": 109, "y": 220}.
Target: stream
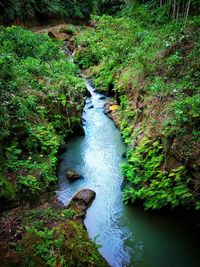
{"x": 129, "y": 236}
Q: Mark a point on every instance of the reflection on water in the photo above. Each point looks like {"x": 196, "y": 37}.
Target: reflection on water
{"x": 129, "y": 236}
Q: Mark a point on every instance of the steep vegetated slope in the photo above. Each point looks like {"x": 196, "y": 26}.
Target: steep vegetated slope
{"x": 41, "y": 97}
{"x": 41, "y": 101}
{"x": 148, "y": 57}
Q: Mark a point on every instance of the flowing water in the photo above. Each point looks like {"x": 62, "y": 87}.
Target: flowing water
{"x": 128, "y": 236}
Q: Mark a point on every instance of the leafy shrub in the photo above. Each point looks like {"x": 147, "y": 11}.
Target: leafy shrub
{"x": 184, "y": 115}
{"x": 6, "y": 189}
{"x": 148, "y": 182}
{"x": 65, "y": 245}
{"x": 85, "y": 58}
{"x": 29, "y": 184}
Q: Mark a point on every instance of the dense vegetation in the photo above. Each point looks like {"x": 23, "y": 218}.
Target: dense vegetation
{"x": 47, "y": 236}
{"x": 42, "y": 96}
{"x": 148, "y": 57}
{"x": 23, "y": 11}
{"x": 41, "y": 105}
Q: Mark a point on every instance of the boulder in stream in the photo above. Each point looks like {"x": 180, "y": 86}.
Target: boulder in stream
{"x": 88, "y": 101}
{"x": 72, "y": 176}
{"x": 82, "y": 200}
{"x": 124, "y": 155}
{"x": 102, "y": 97}
{"x": 58, "y": 35}
{"x": 91, "y": 106}
{"x": 112, "y": 111}
{"x": 83, "y": 121}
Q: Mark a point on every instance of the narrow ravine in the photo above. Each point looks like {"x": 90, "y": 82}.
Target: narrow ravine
{"x": 128, "y": 236}
{"x": 97, "y": 157}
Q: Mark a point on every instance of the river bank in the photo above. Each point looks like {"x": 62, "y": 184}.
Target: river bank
{"x": 191, "y": 218}
{"x": 29, "y": 234}
{"x": 135, "y": 237}
{"x": 128, "y": 58}
{"x": 35, "y": 228}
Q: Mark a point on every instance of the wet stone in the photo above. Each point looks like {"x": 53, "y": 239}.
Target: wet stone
{"x": 72, "y": 176}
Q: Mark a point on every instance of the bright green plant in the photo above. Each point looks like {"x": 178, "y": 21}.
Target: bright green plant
{"x": 65, "y": 245}
{"x": 29, "y": 184}
{"x": 147, "y": 181}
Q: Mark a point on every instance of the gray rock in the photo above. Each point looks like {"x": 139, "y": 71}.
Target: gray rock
{"x": 82, "y": 200}
{"x": 72, "y": 176}
{"x": 124, "y": 155}
{"x": 102, "y": 97}
{"x": 84, "y": 121}
{"x": 88, "y": 101}
{"x": 91, "y": 106}
{"x": 85, "y": 195}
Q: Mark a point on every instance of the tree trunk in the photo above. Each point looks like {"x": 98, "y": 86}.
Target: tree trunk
{"x": 187, "y": 11}
{"x": 178, "y": 8}
{"x": 174, "y": 10}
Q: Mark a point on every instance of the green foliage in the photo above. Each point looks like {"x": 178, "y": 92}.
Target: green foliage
{"x": 184, "y": 115}
{"x": 160, "y": 11}
{"x": 148, "y": 182}
{"x": 41, "y": 98}
{"x": 151, "y": 58}
{"x": 6, "y": 189}
{"x": 43, "y": 243}
{"x": 66, "y": 245}
{"x": 42, "y": 217}
{"x": 54, "y": 237}
{"x": 29, "y": 184}
{"x": 85, "y": 58}
{"x": 68, "y": 213}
